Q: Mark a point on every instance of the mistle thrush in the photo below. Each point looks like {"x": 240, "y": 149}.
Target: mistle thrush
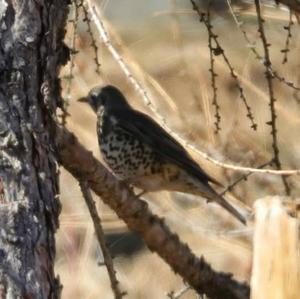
{"x": 143, "y": 154}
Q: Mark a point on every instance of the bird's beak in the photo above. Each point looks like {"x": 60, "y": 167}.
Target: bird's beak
{"x": 83, "y": 100}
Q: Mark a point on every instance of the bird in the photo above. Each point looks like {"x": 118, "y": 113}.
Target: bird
{"x": 140, "y": 152}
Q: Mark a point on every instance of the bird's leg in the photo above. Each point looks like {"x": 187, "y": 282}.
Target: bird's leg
{"x": 131, "y": 187}
{"x": 128, "y": 185}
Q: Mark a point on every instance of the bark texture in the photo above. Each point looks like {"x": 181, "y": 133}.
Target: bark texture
{"x": 31, "y": 53}
{"x": 136, "y": 214}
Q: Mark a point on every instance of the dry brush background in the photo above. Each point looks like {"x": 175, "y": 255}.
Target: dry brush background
{"x": 167, "y": 49}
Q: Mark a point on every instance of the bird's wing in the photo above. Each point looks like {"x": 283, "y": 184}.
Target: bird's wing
{"x": 147, "y": 130}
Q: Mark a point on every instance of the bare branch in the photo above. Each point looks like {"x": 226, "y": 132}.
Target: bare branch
{"x": 136, "y": 214}
{"x": 101, "y": 240}
{"x": 213, "y": 73}
{"x": 269, "y": 77}
{"x": 147, "y": 100}
{"x": 252, "y": 47}
{"x": 220, "y": 51}
{"x": 243, "y": 177}
{"x": 91, "y": 34}
{"x": 286, "y": 49}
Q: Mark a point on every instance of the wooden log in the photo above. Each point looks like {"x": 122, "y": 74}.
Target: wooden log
{"x": 276, "y": 254}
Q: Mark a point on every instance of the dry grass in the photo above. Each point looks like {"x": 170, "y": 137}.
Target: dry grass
{"x": 172, "y": 59}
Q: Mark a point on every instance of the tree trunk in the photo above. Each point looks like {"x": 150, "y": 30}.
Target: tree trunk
{"x": 31, "y": 53}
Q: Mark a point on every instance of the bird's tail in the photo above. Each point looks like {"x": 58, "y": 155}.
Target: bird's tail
{"x": 208, "y": 192}
{"x": 227, "y": 206}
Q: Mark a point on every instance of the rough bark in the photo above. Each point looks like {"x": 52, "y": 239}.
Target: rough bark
{"x": 136, "y": 214}
{"x": 31, "y": 53}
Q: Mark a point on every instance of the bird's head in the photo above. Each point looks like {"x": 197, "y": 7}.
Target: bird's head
{"x": 108, "y": 97}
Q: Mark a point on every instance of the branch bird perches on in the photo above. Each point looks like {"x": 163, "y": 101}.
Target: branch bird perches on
{"x": 136, "y": 214}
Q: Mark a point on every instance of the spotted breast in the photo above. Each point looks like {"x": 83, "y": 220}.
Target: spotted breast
{"x": 126, "y": 156}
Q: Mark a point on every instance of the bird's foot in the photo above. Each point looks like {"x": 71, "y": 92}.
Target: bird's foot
{"x": 131, "y": 188}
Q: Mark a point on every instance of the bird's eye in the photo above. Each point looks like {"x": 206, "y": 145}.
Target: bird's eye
{"x": 103, "y": 100}
{"x": 93, "y": 97}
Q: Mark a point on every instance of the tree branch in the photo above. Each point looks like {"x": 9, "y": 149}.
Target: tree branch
{"x": 292, "y": 4}
{"x": 101, "y": 240}
{"x": 269, "y": 77}
{"x": 136, "y": 214}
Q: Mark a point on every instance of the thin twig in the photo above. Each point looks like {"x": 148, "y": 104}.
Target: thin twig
{"x": 2, "y": 195}
{"x": 220, "y": 51}
{"x": 243, "y": 177}
{"x": 91, "y": 34}
{"x": 252, "y": 47}
{"x": 286, "y": 49}
{"x": 101, "y": 239}
{"x": 145, "y": 96}
{"x": 269, "y": 77}
{"x": 70, "y": 76}
{"x": 284, "y": 80}
{"x": 213, "y": 73}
